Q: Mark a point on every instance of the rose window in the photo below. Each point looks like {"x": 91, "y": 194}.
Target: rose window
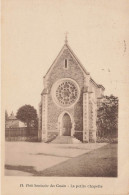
{"x": 66, "y": 93}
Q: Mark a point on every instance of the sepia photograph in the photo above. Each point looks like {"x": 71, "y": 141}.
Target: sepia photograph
{"x": 75, "y": 132}
{"x": 64, "y": 71}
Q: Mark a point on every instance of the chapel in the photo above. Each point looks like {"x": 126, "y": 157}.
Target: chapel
{"x": 69, "y": 101}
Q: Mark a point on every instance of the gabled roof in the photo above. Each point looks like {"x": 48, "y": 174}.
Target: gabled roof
{"x": 99, "y": 86}
{"x": 66, "y": 46}
{"x": 12, "y": 117}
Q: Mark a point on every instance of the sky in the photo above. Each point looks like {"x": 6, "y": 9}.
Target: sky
{"x": 33, "y": 33}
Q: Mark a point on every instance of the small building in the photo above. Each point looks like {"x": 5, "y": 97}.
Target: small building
{"x": 13, "y": 122}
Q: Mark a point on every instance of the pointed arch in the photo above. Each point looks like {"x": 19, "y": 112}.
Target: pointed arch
{"x": 60, "y": 122}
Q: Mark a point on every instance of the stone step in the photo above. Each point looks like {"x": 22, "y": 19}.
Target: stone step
{"x": 66, "y": 140}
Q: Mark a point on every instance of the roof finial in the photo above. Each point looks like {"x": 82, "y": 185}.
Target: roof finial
{"x": 66, "y": 40}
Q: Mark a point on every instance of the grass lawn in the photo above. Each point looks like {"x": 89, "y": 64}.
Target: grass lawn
{"x": 97, "y": 163}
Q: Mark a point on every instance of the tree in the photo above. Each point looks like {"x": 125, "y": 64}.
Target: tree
{"x": 107, "y": 117}
{"x": 28, "y": 115}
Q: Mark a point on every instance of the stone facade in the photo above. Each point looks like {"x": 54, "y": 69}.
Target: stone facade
{"x": 68, "y": 90}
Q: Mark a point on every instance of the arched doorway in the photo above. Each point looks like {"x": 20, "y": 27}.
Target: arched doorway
{"x": 66, "y": 125}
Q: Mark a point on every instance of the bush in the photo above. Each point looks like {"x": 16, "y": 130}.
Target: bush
{"x": 107, "y": 140}
{"x": 107, "y": 117}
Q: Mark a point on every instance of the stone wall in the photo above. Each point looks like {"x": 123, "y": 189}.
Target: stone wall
{"x": 52, "y": 111}
{"x": 58, "y": 72}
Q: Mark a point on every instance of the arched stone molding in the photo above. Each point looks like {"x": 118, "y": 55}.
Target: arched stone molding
{"x": 60, "y": 125}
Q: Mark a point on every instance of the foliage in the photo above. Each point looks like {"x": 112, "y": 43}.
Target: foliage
{"x": 107, "y": 117}
{"x": 110, "y": 140}
{"x": 28, "y": 115}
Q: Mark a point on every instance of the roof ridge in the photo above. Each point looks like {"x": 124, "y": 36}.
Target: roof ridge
{"x": 78, "y": 60}
{"x": 54, "y": 61}
{"x": 74, "y": 55}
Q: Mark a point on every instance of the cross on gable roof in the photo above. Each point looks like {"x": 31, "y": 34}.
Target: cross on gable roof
{"x": 66, "y": 46}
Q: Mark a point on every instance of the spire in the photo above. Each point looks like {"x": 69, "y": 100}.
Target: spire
{"x": 66, "y": 40}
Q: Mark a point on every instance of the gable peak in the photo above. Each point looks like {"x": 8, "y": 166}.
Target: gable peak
{"x": 66, "y": 46}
